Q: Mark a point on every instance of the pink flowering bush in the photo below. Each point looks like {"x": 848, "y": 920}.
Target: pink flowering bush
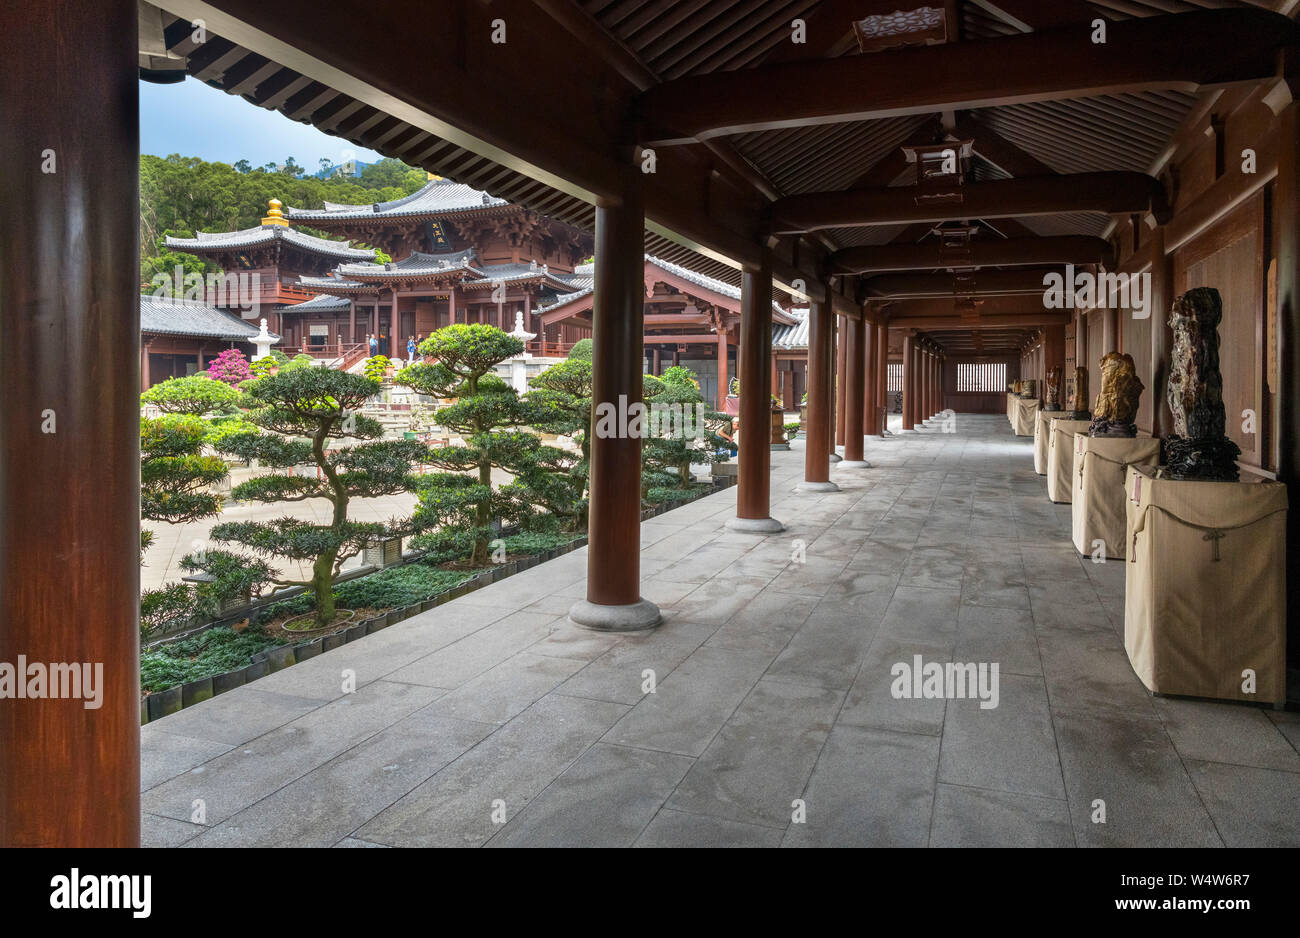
{"x": 230, "y": 367}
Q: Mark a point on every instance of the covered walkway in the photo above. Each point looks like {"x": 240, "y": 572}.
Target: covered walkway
{"x": 773, "y": 675}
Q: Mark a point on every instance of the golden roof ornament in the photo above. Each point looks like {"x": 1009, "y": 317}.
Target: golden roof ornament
{"x": 274, "y": 216}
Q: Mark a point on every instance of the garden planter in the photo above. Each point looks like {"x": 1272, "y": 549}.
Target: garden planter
{"x": 279, "y": 658}
{"x": 307, "y": 650}
{"x": 428, "y": 604}
{"x": 196, "y": 692}
{"x": 411, "y": 610}
{"x": 144, "y": 710}
{"x": 355, "y": 632}
{"x": 330, "y": 642}
{"x": 381, "y": 621}
{"x": 383, "y": 553}
{"x": 165, "y": 702}
{"x": 229, "y": 681}
{"x": 778, "y": 428}
{"x": 256, "y": 670}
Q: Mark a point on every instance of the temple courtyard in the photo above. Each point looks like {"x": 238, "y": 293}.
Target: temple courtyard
{"x": 760, "y": 712}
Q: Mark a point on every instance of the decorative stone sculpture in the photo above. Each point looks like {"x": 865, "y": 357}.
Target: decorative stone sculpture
{"x": 1198, "y": 448}
{"x": 1052, "y": 400}
{"x": 1117, "y": 404}
{"x": 1080, "y": 395}
{"x": 1029, "y": 388}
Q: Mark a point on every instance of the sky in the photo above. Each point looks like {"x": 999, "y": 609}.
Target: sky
{"x": 192, "y": 119}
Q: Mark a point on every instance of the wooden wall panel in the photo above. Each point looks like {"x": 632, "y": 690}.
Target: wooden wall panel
{"x": 1230, "y": 258}
{"x": 1135, "y": 340}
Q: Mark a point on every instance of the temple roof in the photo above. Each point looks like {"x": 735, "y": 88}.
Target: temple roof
{"x": 321, "y": 302}
{"x": 793, "y": 336}
{"x": 169, "y": 316}
{"x": 415, "y": 264}
{"x": 438, "y": 196}
{"x": 215, "y": 241}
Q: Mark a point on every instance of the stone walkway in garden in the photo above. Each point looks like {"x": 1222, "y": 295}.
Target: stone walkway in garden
{"x": 772, "y": 686}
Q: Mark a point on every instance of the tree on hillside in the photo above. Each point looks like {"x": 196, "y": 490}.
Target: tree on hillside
{"x": 488, "y": 415}
{"x": 320, "y": 405}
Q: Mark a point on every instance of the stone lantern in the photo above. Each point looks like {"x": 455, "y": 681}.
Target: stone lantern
{"x": 263, "y": 340}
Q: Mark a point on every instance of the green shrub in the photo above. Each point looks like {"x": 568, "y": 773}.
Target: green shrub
{"x": 660, "y": 495}
{"x": 377, "y": 367}
{"x": 396, "y": 587}
{"x": 214, "y": 651}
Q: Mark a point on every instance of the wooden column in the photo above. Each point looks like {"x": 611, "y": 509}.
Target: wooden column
{"x": 841, "y": 345}
{"x": 723, "y": 378}
{"x": 1286, "y": 212}
{"x": 909, "y": 382}
{"x": 614, "y": 600}
{"x": 754, "y": 364}
{"x": 882, "y": 377}
{"x": 869, "y": 379}
{"x": 655, "y": 368}
{"x": 855, "y": 360}
{"x": 821, "y": 397}
{"x": 1162, "y": 337}
{"x": 70, "y": 424}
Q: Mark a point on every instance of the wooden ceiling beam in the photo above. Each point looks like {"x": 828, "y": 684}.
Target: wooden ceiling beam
{"x": 1014, "y": 252}
{"x": 1108, "y": 193}
{"x": 956, "y": 286}
{"x": 992, "y": 321}
{"x": 1027, "y": 15}
{"x": 1183, "y": 51}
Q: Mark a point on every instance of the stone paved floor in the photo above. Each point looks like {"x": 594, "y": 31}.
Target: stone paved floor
{"x": 772, "y": 686}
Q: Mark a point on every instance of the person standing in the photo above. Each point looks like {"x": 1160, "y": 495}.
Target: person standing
{"x": 373, "y": 343}
{"x": 410, "y": 349}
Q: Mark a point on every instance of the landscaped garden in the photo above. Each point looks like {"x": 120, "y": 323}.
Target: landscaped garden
{"x": 238, "y": 614}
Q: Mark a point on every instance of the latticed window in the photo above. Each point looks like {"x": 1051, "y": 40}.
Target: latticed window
{"x": 894, "y": 377}
{"x": 981, "y": 376}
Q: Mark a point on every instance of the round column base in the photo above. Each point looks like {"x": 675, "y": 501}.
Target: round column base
{"x": 835, "y": 457}
{"x": 816, "y": 487}
{"x": 631, "y": 617}
{"x": 755, "y": 525}
{"x": 780, "y": 447}
{"x": 855, "y": 464}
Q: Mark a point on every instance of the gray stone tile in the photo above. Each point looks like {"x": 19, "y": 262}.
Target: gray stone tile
{"x": 164, "y": 755}
{"x": 158, "y": 831}
{"x": 1090, "y": 672}
{"x": 620, "y": 673}
{"x": 1251, "y": 807}
{"x": 870, "y": 788}
{"x": 1223, "y": 732}
{"x": 975, "y": 817}
{"x": 870, "y": 701}
{"x": 455, "y": 807}
{"x": 692, "y": 703}
{"x": 766, "y": 623}
{"x": 758, "y": 764}
{"x": 330, "y": 802}
{"x": 251, "y": 771}
{"x": 502, "y": 692}
{"x": 922, "y": 615}
{"x": 236, "y": 716}
{"x": 1010, "y": 747}
{"x": 605, "y": 799}
{"x": 827, "y": 649}
{"x": 463, "y": 660}
{"x": 675, "y": 829}
{"x": 1129, "y": 767}
{"x": 990, "y": 633}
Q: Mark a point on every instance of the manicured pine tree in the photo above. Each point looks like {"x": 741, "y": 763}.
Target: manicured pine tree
{"x": 689, "y": 436}
{"x": 461, "y": 500}
{"x": 304, "y": 410}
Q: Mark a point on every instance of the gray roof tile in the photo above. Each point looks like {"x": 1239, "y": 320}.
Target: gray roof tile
{"x": 169, "y": 316}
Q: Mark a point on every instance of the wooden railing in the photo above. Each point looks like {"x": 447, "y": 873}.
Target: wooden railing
{"x": 349, "y": 352}
{"x": 543, "y": 349}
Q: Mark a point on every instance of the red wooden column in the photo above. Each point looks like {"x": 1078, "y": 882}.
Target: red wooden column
{"x": 1286, "y": 213}
{"x": 855, "y": 360}
{"x": 723, "y": 378}
{"x": 909, "y": 382}
{"x": 614, "y": 600}
{"x": 754, "y": 364}
{"x": 821, "y": 398}
{"x": 70, "y": 424}
{"x": 923, "y": 384}
{"x": 882, "y": 377}
{"x": 841, "y": 345}
{"x": 869, "y": 379}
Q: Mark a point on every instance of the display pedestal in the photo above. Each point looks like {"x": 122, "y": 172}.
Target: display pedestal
{"x": 1060, "y": 457}
{"x": 1097, "y": 499}
{"x": 1205, "y": 587}
{"x": 1025, "y": 415}
{"x": 1043, "y": 433}
{"x": 1011, "y": 408}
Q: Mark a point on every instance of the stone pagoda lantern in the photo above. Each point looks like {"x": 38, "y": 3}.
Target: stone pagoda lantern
{"x": 263, "y": 340}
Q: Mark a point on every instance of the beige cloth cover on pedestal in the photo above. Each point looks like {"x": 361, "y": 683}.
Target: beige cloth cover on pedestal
{"x": 1060, "y": 457}
{"x": 1011, "y": 408}
{"x": 1097, "y": 501}
{"x": 1026, "y": 411}
{"x": 1194, "y": 623}
{"x": 1042, "y": 433}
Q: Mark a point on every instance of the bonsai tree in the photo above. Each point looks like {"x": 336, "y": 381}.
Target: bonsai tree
{"x": 304, "y": 410}
{"x": 230, "y": 367}
{"x": 682, "y": 430}
{"x": 488, "y": 415}
{"x": 197, "y": 395}
{"x": 377, "y": 367}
